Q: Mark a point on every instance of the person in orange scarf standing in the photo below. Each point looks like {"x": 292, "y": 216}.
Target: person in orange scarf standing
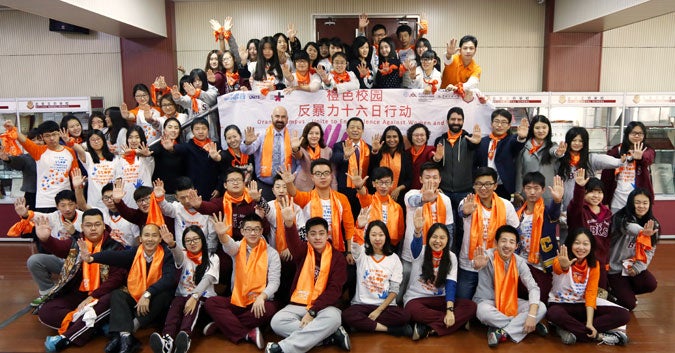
{"x": 460, "y": 71}
{"x": 68, "y": 300}
{"x": 436, "y": 208}
{"x": 633, "y": 238}
{"x": 352, "y": 156}
{"x": 257, "y": 270}
{"x": 311, "y": 317}
{"x": 309, "y": 147}
{"x": 501, "y": 149}
{"x": 392, "y": 155}
{"x": 150, "y": 284}
{"x": 339, "y": 78}
{"x": 482, "y": 213}
{"x": 499, "y": 307}
{"x": 537, "y": 241}
{"x": 271, "y": 149}
{"x": 304, "y": 78}
{"x": 574, "y": 296}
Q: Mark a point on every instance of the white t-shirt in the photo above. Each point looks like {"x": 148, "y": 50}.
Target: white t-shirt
{"x": 53, "y": 176}
{"x": 98, "y": 175}
{"x": 373, "y": 276}
{"x": 187, "y": 285}
{"x": 57, "y": 225}
{"x": 418, "y": 289}
{"x": 151, "y": 134}
{"x": 121, "y": 230}
{"x": 272, "y": 220}
{"x": 406, "y": 254}
{"x": 184, "y": 218}
{"x": 135, "y": 175}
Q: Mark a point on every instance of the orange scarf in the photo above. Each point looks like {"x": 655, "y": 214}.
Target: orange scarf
{"x": 140, "y": 278}
{"x": 232, "y": 78}
{"x": 203, "y": 144}
{"x": 453, "y": 137}
{"x": 493, "y": 145}
{"x": 250, "y": 275}
{"x": 281, "y": 229}
{"x": 340, "y": 78}
{"x": 194, "y": 257}
{"x": 580, "y": 271}
{"x": 433, "y": 84}
{"x": 387, "y": 69}
{"x": 91, "y": 274}
{"x": 316, "y": 210}
{"x": 302, "y": 79}
{"x": 154, "y": 92}
{"x": 9, "y": 144}
{"x": 506, "y": 286}
{"x": 195, "y": 104}
{"x": 574, "y": 158}
{"x": 393, "y": 163}
{"x": 228, "y": 200}
{"x": 642, "y": 244}
{"x": 537, "y": 226}
{"x": 535, "y": 147}
{"x": 497, "y": 218}
{"x": 353, "y": 168}
{"x": 130, "y": 156}
{"x": 424, "y": 28}
{"x": 268, "y": 151}
{"x": 416, "y": 152}
{"x": 428, "y": 214}
{"x": 392, "y": 215}
{"x": 238, "y": 161}
{"x": 23, "y": 226}
{"x": 307, "y": 289}
{"x": 314, "y": 153}
{"x": 627, "y": 166}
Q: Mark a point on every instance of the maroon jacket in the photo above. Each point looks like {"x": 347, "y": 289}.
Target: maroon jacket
{"x": 426, "y": 155}
{"x": 643, "y": 178}
{"x": 579, "y": 215}
{"x": 137, "y": 217}
{"x": 117, "y": 277}
{"x": 336, "y": 277}
{"x": 239, "y": 211}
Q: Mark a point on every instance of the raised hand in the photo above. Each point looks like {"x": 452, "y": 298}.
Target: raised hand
{"x": 228, "y": 23}
{"x": 348, "y": 148}
{"x": 469, "y": 205}
{"x": 214, "y": 152}
{"x": 175, "y": 92}
{"x": 20, "y": 207}
{"x": 580, "y": 177}
{"x": 376, "y": 143}
{"x": 243, "y": 54}
{"x": 220, "y": 228}
{"x": 296, "y": 141}
{"x": 42, "y": 228}
{"x": 215, "y": 25}
{"x": 638, "y": 150}
{"x": 649, "y": 230}
{"x": 363, "y": 70}
{"x": 363, "y": 21}
{"x": 167, "y": 142}
{"x": 362, "y": 219}
{"x": 523, "y": 128}
{"x": 480, "y": 258}
{"x": 429, "y": 192}
{"x": 558, "y": 189}
{"x": 65, "y": 137}
{"x": 476, "y": 135}
{"x": 194, "y": 200}
{"x": 562, "y": 148}
{"x": 564, "y": 259}
{"x": 118, "y": 190}
{"x": 144, "y": 150}
{"x": 161, "y": 83}
{"x": 84, "y": 250}
{"x": 166, "y": 235}
{"x": 253, "y": 191}
{"x": 451, "y": 48}
{"x": 357, "y": 180}
{"x": 249, "y": 135}
{"x": 439, "y": 153}
{"x": 124, "y": 110}
{"x": 210, "y": 76}
{"x": 321, "y": 71}
{"x": 286, "y": 174}
{"x": 69, "y": 227}
{"x": 76, "y": 178}
{"x": 418, "y": 220}
{"x": 287, "y": 210}
{"x": 189, "y": 89}
{"x": 291, "y": 32}
{"x": 158, "y": 188}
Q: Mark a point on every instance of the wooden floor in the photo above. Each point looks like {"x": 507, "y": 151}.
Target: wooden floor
{"x": 650, "y": 329}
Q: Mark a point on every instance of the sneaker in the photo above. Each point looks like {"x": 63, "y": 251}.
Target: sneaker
{"x": 541, "y": 329}
{"x": 160, "y": 344}
{"x": 55, "y": 343}
{"x": 210, "y": 329}
{"x": 182, "y": 342}
{"x": 273, "y": 348}
{"x": 38, "y": 301}
{"x": 602, "y": 293}
{"x": 401, "y": 331}
{"x": 613, "y": 338}
{"x": 420, "y": 331}
{"x": 492, "y": 337}
{"x": 341, "y": 339}
{"x": 256, "y": 337}
{"x": 567, "y": 337}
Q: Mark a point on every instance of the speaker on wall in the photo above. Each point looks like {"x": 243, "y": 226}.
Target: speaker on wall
{"x": 58, "y": 26}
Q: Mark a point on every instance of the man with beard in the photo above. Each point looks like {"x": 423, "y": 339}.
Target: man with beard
{"x": 456, "y": 160}
{"x": 272, "y": 150}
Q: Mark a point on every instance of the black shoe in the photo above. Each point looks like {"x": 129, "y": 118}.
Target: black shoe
{"x": 182, "y": 342}
{"x": 113, "y": 345}
{"x": 420, "y": 331}
{"x": 401, "y": 331}
{"x": 129, "y": 344}
{"x": 341, "y": 339}
{"x": 273, "y": 348}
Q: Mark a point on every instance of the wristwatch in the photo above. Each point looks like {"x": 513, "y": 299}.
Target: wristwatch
{"x": 196, "y": 296}
{"x": 311, "y": 313}
{"x": 146, "y": 295}
{"x": 451, "y": 309}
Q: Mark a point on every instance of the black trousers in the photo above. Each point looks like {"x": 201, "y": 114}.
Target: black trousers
{"x": 123, "y": 310}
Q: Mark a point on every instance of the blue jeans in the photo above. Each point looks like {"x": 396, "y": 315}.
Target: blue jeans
{"x": 467, "y": 281}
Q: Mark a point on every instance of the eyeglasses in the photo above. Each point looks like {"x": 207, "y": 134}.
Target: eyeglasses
{"x": 144, "y": 200}
{"x": 143, "y": 95}
{"x": 235, "y": 181}
{"x": 107, "y": 198}
{"x": 249, "y": 230}
{"x": 383, "y": 182}
{"x": 321, "y": 174}
{"x": 500, "y": 122}
{"x": 92, "y": 225}
{"x": 483, "y": 185}
{"x": 192, "y": 241}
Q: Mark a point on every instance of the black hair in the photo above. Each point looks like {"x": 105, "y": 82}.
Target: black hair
{"x": 320, "y": 161}
{"x": 183, "y": 183}
{"x": 48, "y": 126}
{"x": 626, "y": 145}
{"x": 342, "y": 54}
{"x": 140, "y": 132}
{"x": 107, "y": 187}
{"x": 305, "y": 131}
{"x": 485, "y": 171}
{"x": 501, "y": 112}
{"x": 356, "y": 119}
{"x": 219, "y": 57}
{"x": 105, "y": 151}
{"x": 251, "y": 217}
{"x": 429, "y": 54}
{"x": 548, "y": 143}
{"x": 183, "y": 80}
{"x": 437, "y": 278}
{"x": 144, "y": 88}
{"x": 201, "y": 75}
{"x": 301, "y": 55}
{"x": 387, "y": 248}
{"x": 468, "y": 38}
{"x": 118, "y": 123}
{"x": 534, "y": 178}
{"x": 170, "y": 120}
{"x": 400, "y": 148}
{"x": 456, "y": 110}
{"x": 275, "y": 68}
{"x": 392, "y": 52}
{"x": 403, "y": 28}
{"x": 569, "y": 241}
{"x": 565, "y": 168}
{"x": 142, "y": 192}
{"x": 425, "y": 42}
{"x": 96, "y": 114}
{"x": 231, "y": 127}
{"x": 412, "y": 129}
{"x": 429, "y": 166}
{"x": 201, "y": 269}
{"x": 313, "y": 63}
{"x": 594, "y": 184}
{"x": 199, "y": 121}
{"x": 378, "y": 27}
{"x": 232, "y": 170}
{"x": 92, "y": 212}
{"x": 316, "y": 221}
{"x": 627, "y": 215}
{"x": 33, "y": 134}
{"x": 505, "y": 229}
{"x": 68, "y": 195}
{"x": 358, "y": 43}
{"x": 288, "y": 42}
{"x": 381, "y": 172}
{"x": 255, "y": 42}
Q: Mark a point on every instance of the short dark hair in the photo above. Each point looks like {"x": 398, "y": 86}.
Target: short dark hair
{"x": 412, "y": 129}
{"x": 199, "y": 121}
{"x": 485, "y": 171}
{"x": 339, "y": 53}
{"x": 468, "y": 38}
{"x": 316, "y": 221}
{"x": 534, "y": 178}
{"x": 170, "y": 120}
{"x": 502, "y": 112}
{"x": 505, "y": 229}
{"x": 67, "y": 195}
{"x": 387, "y": 248}
{"x": 456, "y": 110}
{"x": 235, "y": 170}
{"x": 320, "y": 161}
{"x": 142, "y": 192}
{"x": 594, "y": 184}
{"x": 183, "y": 183}
{"x": 355, "y": 119}
{"x": 378, "y": 27}
{"x": 47, "y": 127}
{"x": 92, "y": 212}
{"x": 381, "y": 172}
{"x": 107, "y": 187}
{"x": 403, "y": 28}
{"x": 301, "y": 55}
{"x": 251, "y": 217}
{"x": 429, "y": 166}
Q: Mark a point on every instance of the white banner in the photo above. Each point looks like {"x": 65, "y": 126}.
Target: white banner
{"x": 376, "y": 107}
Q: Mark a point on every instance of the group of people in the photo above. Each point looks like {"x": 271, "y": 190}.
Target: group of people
{"x": 147, "y": 223}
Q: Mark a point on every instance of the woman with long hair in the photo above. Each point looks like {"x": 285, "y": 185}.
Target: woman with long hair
{"x": 136, "y": 164}
{"x": 309, "y": 147}
{"x": 117, "y": 129}
{"x": 168, "y": 166}
{"x": 393, "y": 155}
{"x": 267, "y": 76}
{"x": 99, "y": 164}
{"x": 419, "y": 152}
{"x": 362, "y": 52}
